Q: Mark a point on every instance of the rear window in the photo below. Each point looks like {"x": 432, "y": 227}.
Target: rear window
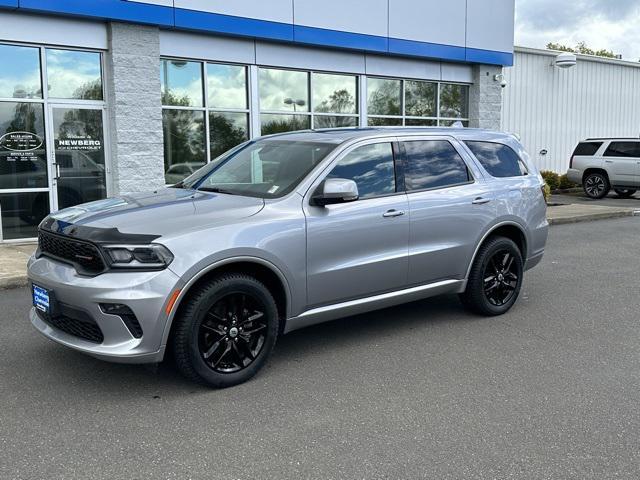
{"x": 623, "y": 149}
{"x": 587, "y": 149}
{"x": 498, "y": 159}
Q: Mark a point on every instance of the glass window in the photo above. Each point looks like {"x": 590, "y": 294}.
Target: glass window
{"x": 22, "y": 213}
{"x": 23, "y": 160}
{"x": 328, "y": 121}
{"x": 497, "y": 159}
{"x": 433, "y": 164}
{"x": 371, "y": 167}
{"x": 226, "y": 130}
{"x": 454, "y": 101}
{"x": 227, "y": 86}
{"x": 181, "y": 83}
{"x": 384, "y": 97}
{"x": 184, "y": 140}
{"x": 283, "y": 90}
{"x": 384, "y": 122}
{"x": 451, "y": 123}
{"x": 587, "y": 149}
{"x": 268, "y": 168}
{"x": 74, "y": 74}
{"x": 421, "y": 99}
{"x": 420, "y": 122}
{"x": 20, "y": 72}
{"x": 623, "y": 149}
{"x": 335, "y": 93}
{"x": 272, "y": 123}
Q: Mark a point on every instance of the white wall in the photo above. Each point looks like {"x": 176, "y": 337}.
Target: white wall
{"x": 553, "y": 109}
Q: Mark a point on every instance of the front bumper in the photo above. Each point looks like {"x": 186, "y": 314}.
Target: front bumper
{"x": 145, "y": 293}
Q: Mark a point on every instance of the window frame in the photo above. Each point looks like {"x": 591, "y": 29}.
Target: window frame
{"x": 205, "y": 108}
{"x": 461, "y": 153}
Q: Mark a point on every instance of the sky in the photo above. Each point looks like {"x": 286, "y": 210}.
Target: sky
{"x": 610, "y": 24}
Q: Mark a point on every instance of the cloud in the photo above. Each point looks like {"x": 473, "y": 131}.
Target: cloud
{"x": 609, "y": 24}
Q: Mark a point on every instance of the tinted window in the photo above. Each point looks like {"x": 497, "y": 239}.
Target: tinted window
{"x": 497, "y": 159}
{"x": 587, "y": 149}
{"x": 371, "y": 167}
{"x": 623, "y": 149}
{"x": 433, "y": 164}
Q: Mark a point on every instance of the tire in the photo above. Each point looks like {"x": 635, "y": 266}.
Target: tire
{"x": 625, "y": 192}
{"x": 596, "y": 185}
{"x": 485, "y": 273}
{"x": 213, "y": 325}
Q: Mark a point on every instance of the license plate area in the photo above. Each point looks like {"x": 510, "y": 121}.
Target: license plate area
{"x": 42, "y": 298}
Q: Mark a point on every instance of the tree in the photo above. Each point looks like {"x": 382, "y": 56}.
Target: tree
{"x": 583, "y": 49}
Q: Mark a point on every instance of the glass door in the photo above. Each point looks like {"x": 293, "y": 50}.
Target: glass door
{"x": 78, "y": 154}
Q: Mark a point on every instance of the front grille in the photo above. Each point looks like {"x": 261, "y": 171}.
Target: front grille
{"x": 84, "y": 256}
{"x": 79, "y": 325}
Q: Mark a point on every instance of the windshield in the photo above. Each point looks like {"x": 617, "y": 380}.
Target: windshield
{"x": 265, "y": 169}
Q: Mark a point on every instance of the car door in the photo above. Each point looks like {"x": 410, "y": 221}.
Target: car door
{"x": 450, "y": 207}
{"x": 360, "y": 248}
{"x": 622, "y": 159}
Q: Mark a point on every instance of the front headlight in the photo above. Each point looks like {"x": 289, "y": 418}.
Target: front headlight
{"x": 151, "y": 256}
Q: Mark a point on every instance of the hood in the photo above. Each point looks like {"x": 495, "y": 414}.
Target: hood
{"x": 170, "y": 211}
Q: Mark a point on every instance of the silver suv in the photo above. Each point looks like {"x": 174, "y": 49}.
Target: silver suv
{"x": 284, "y": 232}
{"x": 600, "y": 164}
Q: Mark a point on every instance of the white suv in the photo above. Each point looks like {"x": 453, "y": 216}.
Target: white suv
{"x": 600, "y": 164}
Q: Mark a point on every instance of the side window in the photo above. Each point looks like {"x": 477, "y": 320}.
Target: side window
{"x": 433, "y": 164}
{"x": 371, "y": 167}
{"x": 498, "y": 159}
{"x": 587, "y": 149}
{"x": 623, "y": 149}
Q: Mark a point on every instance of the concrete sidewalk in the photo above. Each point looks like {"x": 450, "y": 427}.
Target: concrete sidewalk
{"x": 13, "y": 258}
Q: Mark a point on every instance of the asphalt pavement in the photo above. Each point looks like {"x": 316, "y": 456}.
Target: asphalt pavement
{"x": 549, "y": 391}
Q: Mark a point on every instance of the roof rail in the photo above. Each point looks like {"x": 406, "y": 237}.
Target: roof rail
{"x": 611, "y": 138}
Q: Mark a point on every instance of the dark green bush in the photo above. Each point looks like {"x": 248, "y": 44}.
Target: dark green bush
{"x": 551, "y": 178}
{"x": 566, "y": 184}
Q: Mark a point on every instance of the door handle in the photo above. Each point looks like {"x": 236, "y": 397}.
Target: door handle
{"x": 608, "y": 161}
{"x": 393, "y": 214}
{"x": 481, "y": 201}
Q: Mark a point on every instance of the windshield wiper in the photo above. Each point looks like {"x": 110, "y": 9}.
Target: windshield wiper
{"x": 217, "y": 190}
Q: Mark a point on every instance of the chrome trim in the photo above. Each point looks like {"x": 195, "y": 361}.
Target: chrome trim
{"x": 376, "y": 302}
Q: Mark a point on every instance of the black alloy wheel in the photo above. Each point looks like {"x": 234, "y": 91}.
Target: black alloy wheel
{"x": 625, "y": 192}
{"x": 495, "y": 278}
{"x": 233, "y": 332}
{"x": 501, "y": 278}
{"x": 225, "y": 330}
{"x": 596, "y": 186}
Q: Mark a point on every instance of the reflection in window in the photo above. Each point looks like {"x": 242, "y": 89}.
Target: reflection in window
{"x": 334, "y": 93}
{"x": 454, "y": 101}
{"x": 227, "y": 86}
{"x": 384, "y": 96}
{"x": 272, "y": 123}
{"x": 433, "y": 164}
{"x": 23, "y": 160}
{"x": 421, "y": 99}
{"x": 420, "y": 122}
{"x": 226, "y": 130}
{"x": 20, "y": 73}
{"x": 384, "y": 122}
{"x": 283, "y": 90}
{"x": 181, "y": 83}
{"x": 184, "y": 140}
{"x": 497, "y": 159}
{"x": 328, "y": 121}
{"x": 451, "y": 123}
{"x": 371, "y": 167}
{"x": 74, "y": 74}
{"x": 22, "y": 213}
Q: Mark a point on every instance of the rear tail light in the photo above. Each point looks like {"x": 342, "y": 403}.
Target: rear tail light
{"x": 571, "y": 161}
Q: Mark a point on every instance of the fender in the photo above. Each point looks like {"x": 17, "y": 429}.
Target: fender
{"x": 220, "y": 263}
{"x": 487, "y": 234}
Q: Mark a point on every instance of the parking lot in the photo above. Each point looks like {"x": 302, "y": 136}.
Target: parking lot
{"x": 419, "y": 391}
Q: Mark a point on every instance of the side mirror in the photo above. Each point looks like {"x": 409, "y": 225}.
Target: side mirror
{"x": 335, "y": 190}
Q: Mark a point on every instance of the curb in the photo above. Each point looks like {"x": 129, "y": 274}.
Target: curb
{"x": 14, "y": 281}
{"x": 593, "y": 216}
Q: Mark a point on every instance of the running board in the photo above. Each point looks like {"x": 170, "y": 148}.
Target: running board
{"x": 368, "y": 304}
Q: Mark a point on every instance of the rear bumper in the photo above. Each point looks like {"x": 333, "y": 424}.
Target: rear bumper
{"x": 145, "y": 293}
{"x": 574, "y": 176}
